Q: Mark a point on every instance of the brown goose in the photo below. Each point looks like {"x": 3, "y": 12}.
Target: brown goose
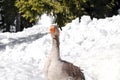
{"x": 57, "y": 69}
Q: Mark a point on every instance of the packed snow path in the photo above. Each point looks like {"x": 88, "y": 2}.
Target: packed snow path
{"x": 94, "y": 45}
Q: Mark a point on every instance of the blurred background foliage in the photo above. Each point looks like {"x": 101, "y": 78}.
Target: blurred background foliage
{"x": 24, "y": 13}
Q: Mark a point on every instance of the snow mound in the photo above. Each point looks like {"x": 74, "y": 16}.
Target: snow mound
{"x": 93, "y": 45}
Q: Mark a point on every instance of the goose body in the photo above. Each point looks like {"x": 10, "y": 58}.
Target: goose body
{"x": 57, "y": 69}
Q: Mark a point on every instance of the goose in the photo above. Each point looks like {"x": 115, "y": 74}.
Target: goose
{"x": 57, "y": 69}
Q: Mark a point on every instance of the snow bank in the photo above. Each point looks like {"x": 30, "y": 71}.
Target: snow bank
{"x": 93, "y": 45}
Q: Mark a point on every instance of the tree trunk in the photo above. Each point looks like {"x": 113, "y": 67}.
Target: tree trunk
{"x": 18, "y": 22}
{"x": 7, "y": 28}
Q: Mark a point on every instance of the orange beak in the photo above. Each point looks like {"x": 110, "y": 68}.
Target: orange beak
{"x": 52, "y": 29}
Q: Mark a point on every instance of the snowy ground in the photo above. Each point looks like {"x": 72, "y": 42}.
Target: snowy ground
{"x": 93, "y": 45}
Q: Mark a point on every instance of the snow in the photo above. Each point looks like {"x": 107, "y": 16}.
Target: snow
{"x": 93, "y": 45}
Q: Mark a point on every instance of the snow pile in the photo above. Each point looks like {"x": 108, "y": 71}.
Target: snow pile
{"x": 94, "y": 45}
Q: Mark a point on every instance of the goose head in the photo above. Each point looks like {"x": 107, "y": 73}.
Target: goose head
{"x": 54, "y": 31}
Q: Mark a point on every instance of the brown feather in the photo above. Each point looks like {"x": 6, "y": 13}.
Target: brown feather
{"x": 72, "y": 70}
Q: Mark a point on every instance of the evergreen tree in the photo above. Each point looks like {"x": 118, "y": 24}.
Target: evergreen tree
{"x": 9, "y": 12}
{"x": 65, "y": 10}
{"x": 12, "y": 17}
